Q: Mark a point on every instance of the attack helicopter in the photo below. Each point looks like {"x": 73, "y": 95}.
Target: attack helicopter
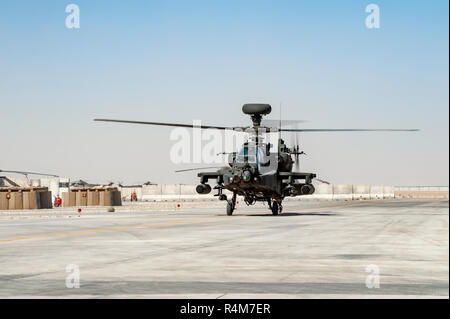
{"x": 260, "y": 171}
{"x": 5, "y": 180}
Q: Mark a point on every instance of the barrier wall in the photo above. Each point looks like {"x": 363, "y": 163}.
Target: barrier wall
{"x": 25, "y": 198}
{"x": 351, "y": 192}
{"x": 53, "y": 184}
{"x": 126, "y": 192}
{"x": 421, "y": 192}
{"x": 182, "y": 192}
{"x": 95, "y": 196}
{"x": 170, "y": 192}
{"x": 41, "y": 197}
{"x": 342, "y": 191}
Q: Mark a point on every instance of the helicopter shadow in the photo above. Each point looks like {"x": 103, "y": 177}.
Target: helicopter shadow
{"x": 289, "y": 214}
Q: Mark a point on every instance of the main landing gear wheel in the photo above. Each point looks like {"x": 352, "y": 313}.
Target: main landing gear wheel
{"x": 231, "y": 205}
{"x": 274, "y": 208}
{"x": 230, "y": 208}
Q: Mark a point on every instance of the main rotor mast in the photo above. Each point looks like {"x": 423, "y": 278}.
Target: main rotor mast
{"x": 256, "y": 112}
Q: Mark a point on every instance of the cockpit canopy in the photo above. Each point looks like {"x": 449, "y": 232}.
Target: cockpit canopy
{"x": 251, "y": 154}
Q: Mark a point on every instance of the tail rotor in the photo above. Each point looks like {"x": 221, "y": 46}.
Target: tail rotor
{"x": 297, "y": 153}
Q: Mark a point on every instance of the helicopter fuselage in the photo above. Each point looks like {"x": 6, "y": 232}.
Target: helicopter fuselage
{"x": 256, "y": 174}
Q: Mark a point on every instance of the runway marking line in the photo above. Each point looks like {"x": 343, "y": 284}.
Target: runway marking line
{"x": 89, "y": 231}
{"x": 167, "y": 224}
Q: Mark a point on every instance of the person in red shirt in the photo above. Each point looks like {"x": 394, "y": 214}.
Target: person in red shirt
{"x": 134, "y": 196}
{"x": 58, "y": 201}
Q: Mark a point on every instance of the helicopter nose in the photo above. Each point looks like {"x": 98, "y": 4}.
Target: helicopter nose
{"x": 246, "y": 176}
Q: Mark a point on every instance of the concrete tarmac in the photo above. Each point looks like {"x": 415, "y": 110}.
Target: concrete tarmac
{"x": 332, "y": 249}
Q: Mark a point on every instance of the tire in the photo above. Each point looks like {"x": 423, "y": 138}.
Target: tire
{"x": 230, "y": 208}
{"x": 275, "y": 208}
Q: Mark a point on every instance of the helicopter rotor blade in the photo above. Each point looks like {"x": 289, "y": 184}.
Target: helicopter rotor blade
{"x": 27, "y": 173}
{"x": 347, "y": 130}
{"x": 196, "y": 169}
{"x": 276, "y": 123}
{"x": 172, "y": 124}
{"x": 322, "y": 181}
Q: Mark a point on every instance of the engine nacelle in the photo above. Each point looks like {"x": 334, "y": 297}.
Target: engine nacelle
{"x": 290, "y": 190}
{"x": 285, "y": 162}
{"x": 203, "y": 189}
{"x": 307, "y": 189}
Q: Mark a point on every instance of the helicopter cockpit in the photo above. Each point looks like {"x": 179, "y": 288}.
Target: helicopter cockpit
{"x": 252, "y": 154}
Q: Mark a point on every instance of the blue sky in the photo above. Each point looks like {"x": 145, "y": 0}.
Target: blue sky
{"x": 184, "y": 60}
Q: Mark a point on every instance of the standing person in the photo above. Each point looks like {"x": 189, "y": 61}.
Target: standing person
{"x": 58, "y": 201}
{"x": 134, "y": 196}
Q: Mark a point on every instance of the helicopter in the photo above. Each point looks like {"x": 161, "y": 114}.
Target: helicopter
{"x": 259, "y": 172}
{"x": 5, "y": 180}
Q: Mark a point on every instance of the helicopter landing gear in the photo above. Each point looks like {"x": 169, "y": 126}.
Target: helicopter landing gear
{"x": 230, "y": 208}
{"x": 275, "y": 207}
{"x": 231, "y": 205}
{"x": 219, "y": 192}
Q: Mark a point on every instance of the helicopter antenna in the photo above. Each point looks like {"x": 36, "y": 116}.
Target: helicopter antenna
{"x": 279, "y": 129}
{"x": 280, "y": 119}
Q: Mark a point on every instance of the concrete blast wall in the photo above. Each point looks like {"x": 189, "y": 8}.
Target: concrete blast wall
{"x": 342, "y": 191}
{"x": 171, "y": 192}
{"x": 421, "y": 192}
{"x": 351, "y": 192}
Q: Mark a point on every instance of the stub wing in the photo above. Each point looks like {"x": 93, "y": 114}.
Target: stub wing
{"x": 297, "y": 175}
{"x": 205, "y": 176}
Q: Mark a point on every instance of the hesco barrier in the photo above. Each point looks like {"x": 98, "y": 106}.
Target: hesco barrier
{"x": 25, "y": 198}
{"x": 92, "y": 196}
